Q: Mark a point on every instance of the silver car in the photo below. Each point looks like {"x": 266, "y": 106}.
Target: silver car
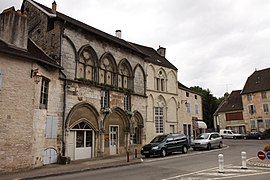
{"x": 207, "y": 141}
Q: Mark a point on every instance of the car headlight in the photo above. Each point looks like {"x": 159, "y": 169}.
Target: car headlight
{"x": 142, "y": 149}
{"x": 155, "y": 147}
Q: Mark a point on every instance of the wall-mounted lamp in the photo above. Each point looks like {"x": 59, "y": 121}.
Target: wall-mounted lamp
{"x": 36, "y": 75}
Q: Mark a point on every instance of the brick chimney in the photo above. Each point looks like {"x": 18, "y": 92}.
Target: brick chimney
{"x": 13, "y": 29}
{"x": 54, "y": 7}
{"x": 118, "y": 34}
{"x": 161, "y": 51}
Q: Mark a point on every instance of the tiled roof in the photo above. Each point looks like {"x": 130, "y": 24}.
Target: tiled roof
{"x": 32, "y": 53}
{"x": 154, "y": 57}
{"x": 233, "y": 102}
{"x": 90, "y": 29}
{"x": 257, "y": 82}
{"x": 182, "y": 86}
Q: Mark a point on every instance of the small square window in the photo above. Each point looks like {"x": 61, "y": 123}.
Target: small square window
{"x": 263, "y": 94}
{"x": 249, "y": 97}
{"x": 187, "y": 94}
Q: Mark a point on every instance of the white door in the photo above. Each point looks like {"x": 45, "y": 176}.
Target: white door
{"x": 71, "y": 145}
{"x": 49, "y": 156}
{"x": 113, "y": 140}
{"x": 83, "y": 142}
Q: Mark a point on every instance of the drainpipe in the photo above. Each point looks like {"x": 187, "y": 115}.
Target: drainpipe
{"x": 65, "y": 94}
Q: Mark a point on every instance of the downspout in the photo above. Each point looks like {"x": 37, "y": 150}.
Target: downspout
{"x": 65, "y": 95}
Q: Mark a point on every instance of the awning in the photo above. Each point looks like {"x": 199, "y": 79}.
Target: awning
{"x": 201, "y": 125}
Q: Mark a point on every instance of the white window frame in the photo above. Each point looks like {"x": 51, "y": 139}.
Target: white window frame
{"x": 265, "y": 107}
{"x": 252, "y": 124}
{"x": 250, "y": 109}
{"x": 159, "y": 119}
{"x": 104, "y": 99}
{"x": 264, "y": 95}
{"x": 249, "y": 97}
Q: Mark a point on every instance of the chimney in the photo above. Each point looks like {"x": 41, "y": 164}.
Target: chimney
{"x": 226, "y": 96}
{"x": 13, "y": 28}
{"x": 161, "y": 51}
{"x": 118, "y": 33}
{"x": 54, "y": 7}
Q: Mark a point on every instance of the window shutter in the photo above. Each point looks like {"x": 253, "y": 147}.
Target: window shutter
{"x": 54, "y": 126}
{"x": 1, "y": 80}
{"x": 49, "y": 127}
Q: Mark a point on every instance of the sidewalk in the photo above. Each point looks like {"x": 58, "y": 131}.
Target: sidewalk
{"x": 73, "y": 167}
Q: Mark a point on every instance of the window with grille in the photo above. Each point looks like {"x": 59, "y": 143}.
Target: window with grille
{"x": 265, "y": 108}
{"x": 159, "y": 118}
{"x": 127, "y": 103}
{"x": 44, "y": 93}
{"x": 104, "y": 102}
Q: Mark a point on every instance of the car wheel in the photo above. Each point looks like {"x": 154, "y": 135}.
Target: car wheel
{"x": 245, "y": 137}
{"x": 184, "y": 149}
{"x": 163, "y": 152}
{"x": 259, "y": 137}
{"x": 209, "y": 146}
{"x": 220, "y": 145}
{"x": 147, "y": 156}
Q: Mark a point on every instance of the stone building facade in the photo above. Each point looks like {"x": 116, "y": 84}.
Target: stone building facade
{"x": 98, "y": 95}
{"x": 190, "y": 112}
{"x": 29, "y": 94}
{"x": 247, "y": 110}
{"x": 256, "y": 100}
{"x": 229, "y": 114}
{"x": 103, "y": 113}
{"x": 161, "y": 90}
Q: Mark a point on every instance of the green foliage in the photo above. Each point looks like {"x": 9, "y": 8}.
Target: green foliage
{"x": 209, "y": 104}
{"x": 267, "y": 133}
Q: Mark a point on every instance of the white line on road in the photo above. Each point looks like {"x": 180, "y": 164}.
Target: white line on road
{"x": 192, "y": 173}
{"x": 243, "y": 175}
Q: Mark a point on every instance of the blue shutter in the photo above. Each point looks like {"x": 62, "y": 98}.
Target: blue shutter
{"x": 1, "y": 79}
{"x": 54, "y": 126}
{"x": 49, "y": 127}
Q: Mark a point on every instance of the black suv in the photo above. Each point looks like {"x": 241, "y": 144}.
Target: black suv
{"x": 166, "y": 144}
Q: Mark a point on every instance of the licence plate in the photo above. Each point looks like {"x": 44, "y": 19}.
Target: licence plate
{"x": 146, "y": 152}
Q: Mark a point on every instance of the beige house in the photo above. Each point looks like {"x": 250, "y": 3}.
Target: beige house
{"x": 190, "y": 112}
{"x": 229, "y": 114}
{"x": 248, "y": 109}
{"x": 161, "y": 90}
{"x": 29, "y": 98}
{"x": 256, "y": 101}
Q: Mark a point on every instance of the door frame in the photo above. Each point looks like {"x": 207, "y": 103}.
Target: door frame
{"x": 117, "y": 146}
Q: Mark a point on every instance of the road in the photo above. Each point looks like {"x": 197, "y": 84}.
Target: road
{"x": 194, "y": 165}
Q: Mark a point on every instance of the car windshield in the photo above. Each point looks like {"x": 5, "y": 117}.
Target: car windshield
{"x": 158, "y": 139}
{"x": 203, "y": 136}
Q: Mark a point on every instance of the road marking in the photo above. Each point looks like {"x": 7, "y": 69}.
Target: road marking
{"x": 192, "y": 173}
{"x": 243, "y": 175}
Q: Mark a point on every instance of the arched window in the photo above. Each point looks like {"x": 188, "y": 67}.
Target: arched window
{"x": 86, "y": 64}
{"x": 160, "y": 81}
{"x": 107, "y": 72}
{"x": 124, "y": 79}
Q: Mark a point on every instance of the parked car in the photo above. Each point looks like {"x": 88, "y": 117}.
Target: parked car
{"x": 254, "y": 135}
{"x": 207, "y": 141}
{"x": 228, "y": 133}
{"x": 166, "y": 144}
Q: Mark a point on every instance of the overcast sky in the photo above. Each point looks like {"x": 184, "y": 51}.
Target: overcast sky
{"x": 215, "y": 44}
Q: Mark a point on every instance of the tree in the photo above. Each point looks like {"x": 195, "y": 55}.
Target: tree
{"x": 209, "y": 104}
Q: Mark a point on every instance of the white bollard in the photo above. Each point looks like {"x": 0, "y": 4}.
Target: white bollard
{"x": 244, "y": 160}
{"x": 220, "y": 163}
